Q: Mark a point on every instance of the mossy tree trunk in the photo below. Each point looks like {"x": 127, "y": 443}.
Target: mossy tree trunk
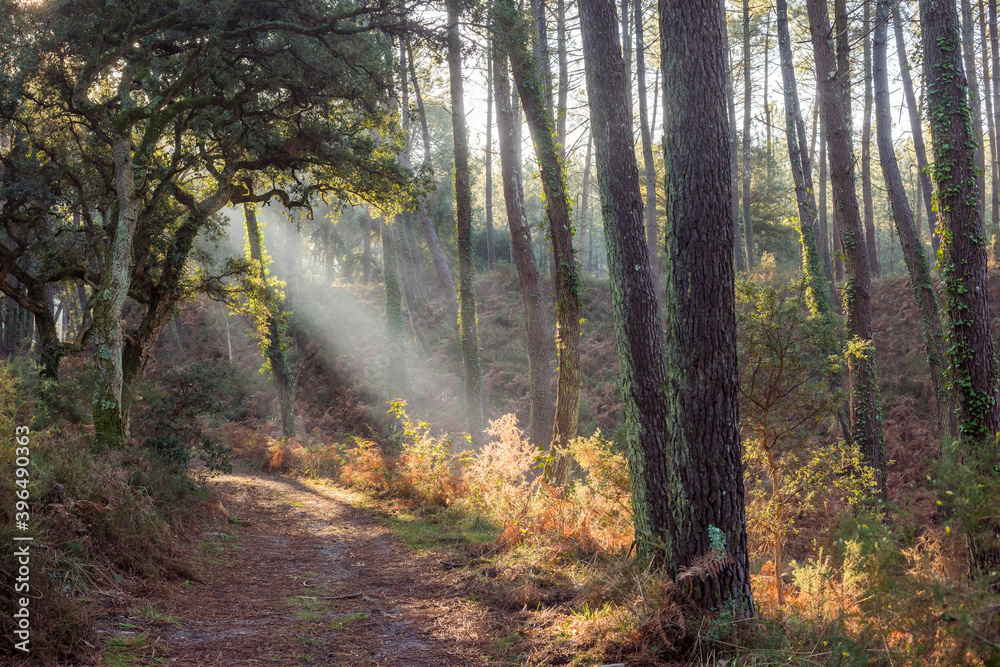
{"x": 866, "y": 415}
{"x": 270, "y": 323}
{"x": 638, "y": 332}
{"x": 963, "y": 258}
{"x": 110, "y": 423}
{"x": 816, "y": 289}
{"x": 707, "y": 506}
{"x": 515, "y": 35}
{"x": 467, "y": 326}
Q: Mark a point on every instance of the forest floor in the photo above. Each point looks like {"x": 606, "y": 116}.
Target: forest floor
{"x": 293, "y": 573}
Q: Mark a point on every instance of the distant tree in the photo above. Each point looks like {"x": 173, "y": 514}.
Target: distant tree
{"x": 529, "y": 279}
{"x": 467, "y": 326}
{"x": 916, "y": 129}
{"x": 513, "y": 31}
{"x": 866, "y": 414}
{"x": 913, "y": 250}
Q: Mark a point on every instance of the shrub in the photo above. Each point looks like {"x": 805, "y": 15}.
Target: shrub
{"x": 180, "y": 412}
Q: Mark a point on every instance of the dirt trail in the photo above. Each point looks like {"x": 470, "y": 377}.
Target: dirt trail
{"x": 309, "y": 579}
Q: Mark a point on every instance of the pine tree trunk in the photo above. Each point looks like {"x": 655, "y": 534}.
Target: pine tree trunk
{"x": 567, "y": 277}
{"x": 275, "y": 350}
{"x": 708, "y": 511}
{"x": 866, "y": 149}
{"x": 769, "y": 157}
{"x": 530, "y": 280}
{"x": 738, "y": 254}
{"x": 913, "y": 252}
{"x": 585, "y": 203}
{"x": 467, "y": 334}
{"x": 817, "y": 294}
{"x": 490, "y": 248}
{"x": 916, "y": 130}
{"x": 648, "y": 165}
{"x": 964, "y": 273}
{"x": 824, "y": 225}
{"x": 638, "y": 332}
{"x": 963, "y": 263}
{"x": 747, "y": 99}
{"x": 866, "y": 419}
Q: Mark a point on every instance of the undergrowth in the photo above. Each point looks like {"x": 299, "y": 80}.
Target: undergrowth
{"x": 870, "y": 591}
{"x": 104, "y": 523}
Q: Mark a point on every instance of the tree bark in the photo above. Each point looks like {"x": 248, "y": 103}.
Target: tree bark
{"x": 924, "y": 293}
{"x": 529, "y": 279}
{"x": 110, "y": 424}
{"x": 973, "y": 358}
{"x": 866, "y": 149}
{"x": 866, "y": 417}
{"x": 747, "y": 99}
{"x": 963, "y": 261}
{"x": 648, "y": 165}
{"x": 916, "y": 130}
{"x": 567, "y": 276}
{"x": 637, "y": 322}
{"x": 699, "y": 308}
{"x": 467, "y": 334}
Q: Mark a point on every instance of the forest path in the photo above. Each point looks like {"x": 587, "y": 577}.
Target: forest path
{"x": 298, "y": 576}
